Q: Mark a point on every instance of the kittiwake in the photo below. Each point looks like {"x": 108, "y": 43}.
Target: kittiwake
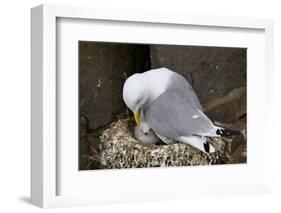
{"x": 166, "y": 101}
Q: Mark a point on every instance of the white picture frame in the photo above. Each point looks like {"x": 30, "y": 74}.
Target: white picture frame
{"x": 44, "y": 153}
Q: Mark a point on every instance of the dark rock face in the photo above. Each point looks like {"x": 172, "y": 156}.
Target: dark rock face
{"x": 103, "y": 68}
{"x": 213, "y": 71}
{"x": 228, "y": 109}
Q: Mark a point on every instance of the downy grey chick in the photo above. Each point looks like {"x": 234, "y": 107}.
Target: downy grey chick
{"x": 144, "y": 134}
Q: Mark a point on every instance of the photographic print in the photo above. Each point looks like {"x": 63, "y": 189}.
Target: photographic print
{"x": 152, "y": 105}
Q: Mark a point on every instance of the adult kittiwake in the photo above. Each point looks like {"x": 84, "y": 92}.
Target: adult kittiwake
{"x": 166, "y": 101}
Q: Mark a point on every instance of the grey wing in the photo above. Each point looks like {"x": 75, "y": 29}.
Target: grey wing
{"x": 178, "y": 82}
{"x": 173, "y": 115}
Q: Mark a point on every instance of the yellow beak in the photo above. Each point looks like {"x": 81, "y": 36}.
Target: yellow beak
{"x": 137, "y": 117}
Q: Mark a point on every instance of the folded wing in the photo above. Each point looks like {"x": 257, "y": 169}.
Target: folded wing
{"x": 173, "y": 114}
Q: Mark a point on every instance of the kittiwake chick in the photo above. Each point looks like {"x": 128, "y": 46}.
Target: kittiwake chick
{"x": 144, "y": 134}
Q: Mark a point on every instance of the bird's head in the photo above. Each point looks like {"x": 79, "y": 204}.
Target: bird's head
{"x": 135, "y": 95}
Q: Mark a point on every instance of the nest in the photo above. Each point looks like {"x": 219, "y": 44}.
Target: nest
{"x": 119, "y": 149}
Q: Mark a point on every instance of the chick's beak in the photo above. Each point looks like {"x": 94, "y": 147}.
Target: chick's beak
{"x": 137, "y": 117}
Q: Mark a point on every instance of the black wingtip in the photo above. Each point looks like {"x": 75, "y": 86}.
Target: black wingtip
{"x": 207, "y": 147}
{"x": 227, "y": 132}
